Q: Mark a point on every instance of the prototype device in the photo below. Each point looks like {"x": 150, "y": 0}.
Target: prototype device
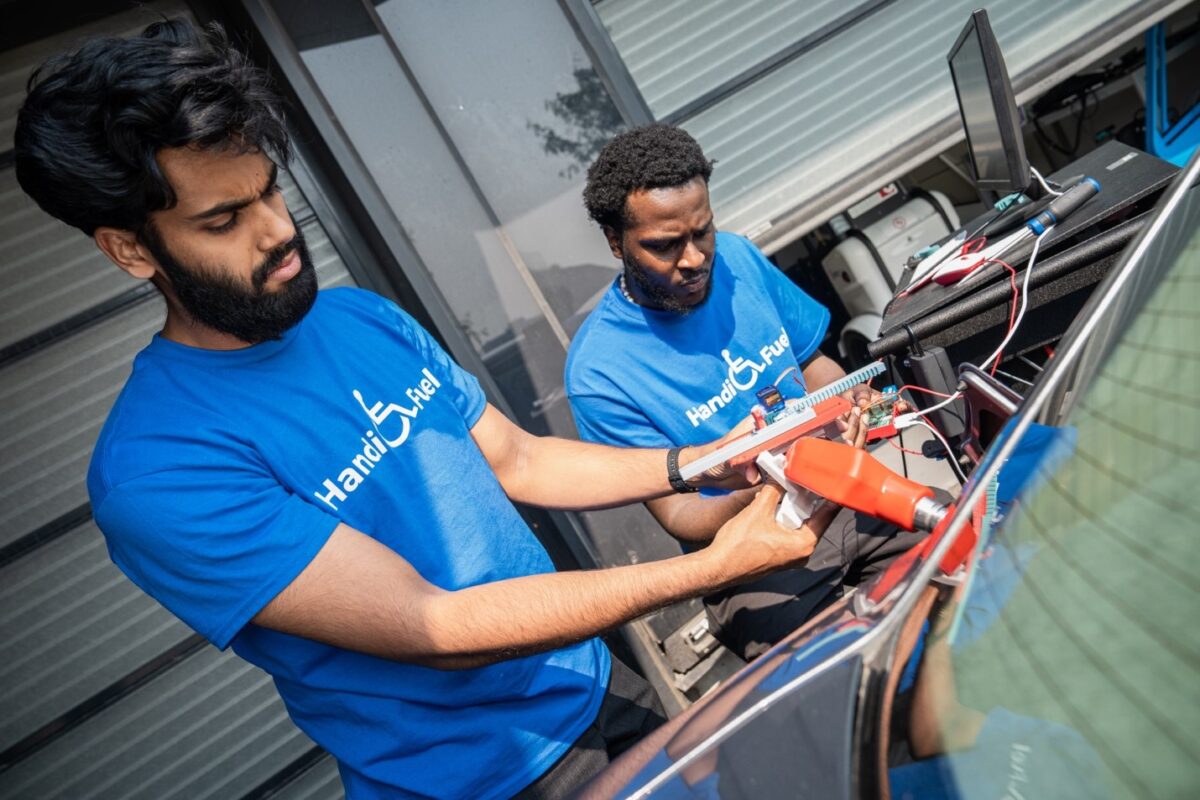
{"x": 778, "y": 424}
{"x": 853, "y": 478}
{"x": 802, "y": 415}
{"x": 988, "y": 109}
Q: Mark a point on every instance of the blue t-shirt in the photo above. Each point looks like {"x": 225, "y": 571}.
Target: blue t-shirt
{"x": 220, "y": 474}
{"x": 645, "y": 378}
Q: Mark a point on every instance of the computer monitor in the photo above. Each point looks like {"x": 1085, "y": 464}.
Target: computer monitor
{"x": 989, "y": 112}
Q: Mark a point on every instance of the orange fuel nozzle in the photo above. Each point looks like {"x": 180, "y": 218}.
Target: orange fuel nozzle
{"x": 854, "y": 479}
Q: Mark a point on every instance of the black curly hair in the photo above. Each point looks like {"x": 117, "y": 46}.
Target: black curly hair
{"x": 650, "y": 157}
{"x": 94, "y": 120}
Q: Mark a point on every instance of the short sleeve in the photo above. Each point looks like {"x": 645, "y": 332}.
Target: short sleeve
{"x": 806, "y": 319}
{"x": 214, "y": 545}
{"x": 607, "y": 421}
{"x": 470, "y": 399}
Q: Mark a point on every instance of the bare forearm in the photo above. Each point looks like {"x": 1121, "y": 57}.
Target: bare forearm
{"x": 358, "y": 594}
{"x": 387, "y": 609}
{"x": 561, "y": 473}
{"x": 507, "y": 619}
{"x": 695, "y": 519}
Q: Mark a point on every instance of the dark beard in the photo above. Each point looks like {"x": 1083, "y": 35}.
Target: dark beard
{"x": 659, "y": 298}
{"x": 223, "y": 304}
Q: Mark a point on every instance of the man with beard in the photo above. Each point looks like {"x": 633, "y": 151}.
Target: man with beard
{"x": 696, "y": 323}
{"x": 309, "y": 478}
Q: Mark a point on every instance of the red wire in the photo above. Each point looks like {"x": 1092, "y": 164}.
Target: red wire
{"x": 920, "y": 389}
{"x": 905, "y": 449}
{"x": 1012, "y": 312}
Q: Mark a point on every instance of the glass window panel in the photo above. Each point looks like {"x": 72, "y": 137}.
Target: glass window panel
{"x": 520, "y": 101}
{"x": 1075, "y": 668}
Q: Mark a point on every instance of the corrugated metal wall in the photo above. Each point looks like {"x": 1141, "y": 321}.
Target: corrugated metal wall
{"x": 859, "y": 108}
{"x": 679, "y": 50}
{"x": 103, "y": 693}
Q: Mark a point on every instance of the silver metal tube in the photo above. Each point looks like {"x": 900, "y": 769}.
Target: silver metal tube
{"x": 928, "y": 514}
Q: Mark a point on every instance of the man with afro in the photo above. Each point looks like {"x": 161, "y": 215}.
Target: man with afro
{"x": 695, "y": 324}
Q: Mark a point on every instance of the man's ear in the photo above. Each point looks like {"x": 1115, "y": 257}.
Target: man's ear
{"x": 123, "y": 249}
{"x": 614, "y": 241}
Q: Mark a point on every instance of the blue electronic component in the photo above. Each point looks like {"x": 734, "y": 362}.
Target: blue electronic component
{"x": 770, "y": 398}
{"x": 1064, "y": 205}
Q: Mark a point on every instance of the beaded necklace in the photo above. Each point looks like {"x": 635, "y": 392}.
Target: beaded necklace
{"x": 625, "y": 291}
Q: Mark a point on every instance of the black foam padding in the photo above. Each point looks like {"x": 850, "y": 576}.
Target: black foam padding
{"x": 969, "y": 316}
{"x": 1126, "y": 176}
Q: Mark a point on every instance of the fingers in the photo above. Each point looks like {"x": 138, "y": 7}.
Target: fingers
{"x": 855, "y": 433}
{"x": 860, "y": 434}
{"x": 728, "y": 476}
{"x": 768, "y": 497}
{"x": 822, "y": 517}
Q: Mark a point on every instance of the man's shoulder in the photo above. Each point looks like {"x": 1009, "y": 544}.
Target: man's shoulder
{"x": 342, "y": 299}
{"x": 730, "y": 243}
{"x": 593, "y": 343}
{"x": 363, "y": 318}
{"x": 738, "y": 253}
{"x": 148, "y": 429}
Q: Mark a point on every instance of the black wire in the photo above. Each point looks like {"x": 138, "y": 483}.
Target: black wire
{"x": 1077, "y": 139}
{"x": 891, "y": 365}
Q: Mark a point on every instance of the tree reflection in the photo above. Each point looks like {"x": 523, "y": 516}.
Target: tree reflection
{"x": 591, "y": 117}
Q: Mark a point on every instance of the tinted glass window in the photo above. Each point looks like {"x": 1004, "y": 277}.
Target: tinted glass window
{"x": 1071, "y": 667}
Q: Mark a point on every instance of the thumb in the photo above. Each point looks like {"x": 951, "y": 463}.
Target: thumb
{"x": 768, "y": 497}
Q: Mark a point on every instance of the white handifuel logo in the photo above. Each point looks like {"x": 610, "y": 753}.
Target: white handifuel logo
{"x": 743, "y": 374}
{"x": 392, "y": 424}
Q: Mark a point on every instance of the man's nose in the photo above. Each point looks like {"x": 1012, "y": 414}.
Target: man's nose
{"x": 692, "y": 257}
{"x": 277, "y": 227}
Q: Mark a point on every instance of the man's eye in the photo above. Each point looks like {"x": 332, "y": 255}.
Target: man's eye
{"x": 224, "y": 227}
{"x": 273, "y": 190}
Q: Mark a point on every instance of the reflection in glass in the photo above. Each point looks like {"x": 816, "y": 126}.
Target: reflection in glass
{"x": 591, "y": 121}
{"x": 1073, "y": 669}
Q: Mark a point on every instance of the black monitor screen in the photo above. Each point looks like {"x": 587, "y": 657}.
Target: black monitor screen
{"x": 989, "y": 113}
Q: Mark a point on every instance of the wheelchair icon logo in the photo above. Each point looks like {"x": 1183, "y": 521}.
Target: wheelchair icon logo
{"x": 378, "y": 413}
{"x": 743, "y": 373}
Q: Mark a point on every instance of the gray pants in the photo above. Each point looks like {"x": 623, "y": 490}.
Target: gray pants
{"x": 750, "y": 618}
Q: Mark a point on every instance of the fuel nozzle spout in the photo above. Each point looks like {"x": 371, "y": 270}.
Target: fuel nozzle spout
{"x": 853, "y": 478}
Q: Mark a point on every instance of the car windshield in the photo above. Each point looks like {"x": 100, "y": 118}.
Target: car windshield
{"x": 1068, "y": 664}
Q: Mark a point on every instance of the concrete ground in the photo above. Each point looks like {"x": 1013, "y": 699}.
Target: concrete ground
{"x": 932, "y": 472}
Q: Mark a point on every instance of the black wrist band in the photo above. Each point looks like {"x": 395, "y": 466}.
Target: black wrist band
{"x": 677, "y": 482}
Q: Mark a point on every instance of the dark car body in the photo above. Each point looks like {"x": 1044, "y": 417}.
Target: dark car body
{"x": 1064, "y": 661}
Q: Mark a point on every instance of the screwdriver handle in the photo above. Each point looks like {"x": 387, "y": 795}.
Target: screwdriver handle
{"x": 1064, "y": 205}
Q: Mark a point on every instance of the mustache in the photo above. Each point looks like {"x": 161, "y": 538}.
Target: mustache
{"x": 273, "y": 260}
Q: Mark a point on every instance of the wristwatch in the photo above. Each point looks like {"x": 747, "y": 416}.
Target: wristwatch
{"x": 677, "y": 482}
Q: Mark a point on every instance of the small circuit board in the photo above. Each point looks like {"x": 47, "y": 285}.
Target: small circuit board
{"x": 881, "y": 414}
